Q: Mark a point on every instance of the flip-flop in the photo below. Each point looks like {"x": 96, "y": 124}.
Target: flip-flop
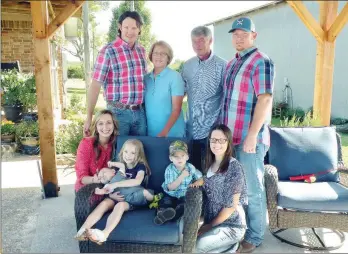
{"x": 98, "y": 234}
{"x": 81, "y": 235}
{"x": 164, "y": 215}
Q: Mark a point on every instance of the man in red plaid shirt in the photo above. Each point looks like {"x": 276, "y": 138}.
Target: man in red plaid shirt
{"x": 120, "y": 68}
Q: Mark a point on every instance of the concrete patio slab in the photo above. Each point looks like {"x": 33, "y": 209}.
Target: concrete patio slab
{"x": 36, "y": 225}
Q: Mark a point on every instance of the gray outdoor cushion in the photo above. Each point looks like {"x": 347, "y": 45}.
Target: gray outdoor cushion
{"x": 329, "y": 196}
{"x": 137, "y": 226}
{"x": 302, "y": 151}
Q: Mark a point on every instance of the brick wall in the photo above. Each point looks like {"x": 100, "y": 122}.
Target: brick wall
{"x": 17, "y": 43}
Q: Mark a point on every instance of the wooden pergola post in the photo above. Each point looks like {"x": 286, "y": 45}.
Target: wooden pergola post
{"x": 325, "y": 32}
{"x": 42, "y": 30}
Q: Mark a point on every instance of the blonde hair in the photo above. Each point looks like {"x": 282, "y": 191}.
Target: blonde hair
{"x": 166, "y": 46}
{"x": 95, "y": 133}
{"x": 139, "y": 154}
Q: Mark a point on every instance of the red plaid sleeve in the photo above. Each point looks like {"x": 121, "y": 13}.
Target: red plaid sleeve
{"x": 263, "y": 77}
{"x": 102, "y": 65}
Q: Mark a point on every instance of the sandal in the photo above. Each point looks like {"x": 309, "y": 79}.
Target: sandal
{"x": 99, "y": 237}
{"x": 81, "y": 235}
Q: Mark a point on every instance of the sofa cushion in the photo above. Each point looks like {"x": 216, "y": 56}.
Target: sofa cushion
{"x": 302, "y": 151}
{"x": 137, "y": 226}
{"x": 325, "y": 197}
{"x": 157, "y": 155}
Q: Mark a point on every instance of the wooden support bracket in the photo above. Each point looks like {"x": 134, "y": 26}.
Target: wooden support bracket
{"x": 63, "y": 16}
{"x": 338, "y": 24}
{"x": 308, "y": 19}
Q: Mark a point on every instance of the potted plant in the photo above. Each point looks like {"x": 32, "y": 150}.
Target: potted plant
{"x": 28, "y": 98}
{"x": 7, "y": 131}
{"x": 12, "y": 84}
{"x": 28, "y": 134}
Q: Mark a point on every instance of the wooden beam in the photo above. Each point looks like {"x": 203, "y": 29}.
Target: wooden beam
{"x": 50, "y": 7}
{"x": 338, "y": 24}
{"x": 44, "y": 101}
{"x": 39, "y": 16}
{"x": 308, "y": 19}
{"x": 63, "y": 16}
{"x": 325, "y": 65}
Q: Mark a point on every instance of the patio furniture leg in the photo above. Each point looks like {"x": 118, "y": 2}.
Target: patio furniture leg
{"x": 308, "y": 247}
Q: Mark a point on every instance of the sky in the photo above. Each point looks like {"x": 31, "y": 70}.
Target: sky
{"x": 172, "y": 21}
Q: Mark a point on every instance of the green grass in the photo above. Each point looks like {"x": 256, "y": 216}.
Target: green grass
{"x": 275, "y": 122}
{"x": 344, "y": 138}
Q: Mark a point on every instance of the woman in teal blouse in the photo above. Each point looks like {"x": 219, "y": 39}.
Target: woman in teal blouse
{"x": 164, "y": 92}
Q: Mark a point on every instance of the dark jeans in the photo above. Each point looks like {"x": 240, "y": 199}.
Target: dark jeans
{"x": 131, "y": 122}
{"x": 176, "y": 203}
{"x": 199, "y": 148}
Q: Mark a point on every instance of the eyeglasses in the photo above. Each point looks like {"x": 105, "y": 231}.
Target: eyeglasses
{"x": 161, "y": 54}
{"x": 215, "y": 140}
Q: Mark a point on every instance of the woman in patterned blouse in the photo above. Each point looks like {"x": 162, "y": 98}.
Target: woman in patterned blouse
{"x": 224, "y": 187}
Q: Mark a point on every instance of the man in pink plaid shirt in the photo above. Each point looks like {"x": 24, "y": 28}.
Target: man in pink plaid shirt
{"x": 246, "y": 110}
{"x": 120, "y": 68}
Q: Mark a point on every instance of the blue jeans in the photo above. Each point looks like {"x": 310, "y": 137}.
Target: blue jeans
{"x": 219, "y": 239}
{"x": 130, "y": 122}
{"x": 133, "y": 195}
{"x": 254, "y": 173}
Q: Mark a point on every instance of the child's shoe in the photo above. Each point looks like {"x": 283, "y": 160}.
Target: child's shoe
{"x": 156, "y": 199}
{"x": 164, "y": 215}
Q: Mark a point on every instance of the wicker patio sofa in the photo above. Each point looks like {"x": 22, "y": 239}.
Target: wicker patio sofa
{"x": 296, "y": 204}
{"x": 136, "y": 231}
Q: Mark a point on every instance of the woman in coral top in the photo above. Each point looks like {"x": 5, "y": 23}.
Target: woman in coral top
{"x": 94, "y": 152}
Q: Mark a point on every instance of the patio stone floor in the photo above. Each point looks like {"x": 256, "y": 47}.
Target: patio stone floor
{"x": 30, "y": 224}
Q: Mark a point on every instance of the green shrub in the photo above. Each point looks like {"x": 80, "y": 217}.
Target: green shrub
{"x": 289, "y": 113}
{"x": 27, "y": 129}
{"x": 28, "y": 94}
{"x": 338, "y": 121}
{"x": 12, "y": 83}
{"x": 76, "y": 107}
{"x": 76, "y": 72}
{"x": 295, "y": 121}
{"x": 68, "y": 137}
{"x": 7, "y": 127}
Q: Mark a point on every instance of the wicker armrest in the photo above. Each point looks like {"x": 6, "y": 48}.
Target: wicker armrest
{"x": 343, "y": 176}
{"x": 193, "y": 209}
{"x": 271, "y": 184}
{"x": 83, "y": 203}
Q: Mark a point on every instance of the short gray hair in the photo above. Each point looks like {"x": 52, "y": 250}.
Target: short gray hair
{"x": 201, "y": 30}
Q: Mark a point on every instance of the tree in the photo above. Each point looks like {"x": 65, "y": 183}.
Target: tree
{"x": 146, "y": 39}
{"x": 177, "y": 65}
{"x": 94, "y": 8}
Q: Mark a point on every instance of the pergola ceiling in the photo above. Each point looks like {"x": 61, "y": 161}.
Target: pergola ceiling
{"x": 11, "y": 8}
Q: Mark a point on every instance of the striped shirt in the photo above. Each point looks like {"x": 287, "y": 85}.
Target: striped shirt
{"x": 248, "y": 75}
{"x": 203, "y": 85}
{"x": 121, "y": 69}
